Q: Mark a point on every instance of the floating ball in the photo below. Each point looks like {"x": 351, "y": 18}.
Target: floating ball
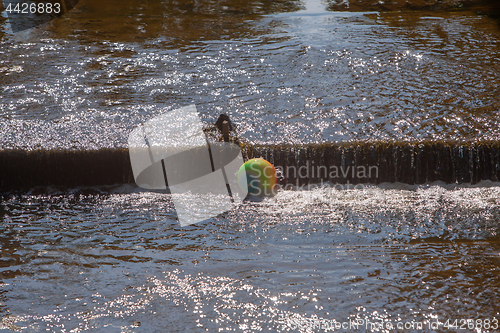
{"x": 260, "y": 177}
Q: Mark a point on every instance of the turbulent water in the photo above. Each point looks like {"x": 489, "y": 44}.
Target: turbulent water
{"x": 391, "y": 258}
{"x": 110, "y": 260}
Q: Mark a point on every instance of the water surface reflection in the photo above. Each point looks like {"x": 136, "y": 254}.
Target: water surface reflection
{"x": 301, "y": 75}
{"x": 114, "y": 260}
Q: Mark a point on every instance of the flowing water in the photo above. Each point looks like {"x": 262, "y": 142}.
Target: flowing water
{"x": 281, "y": 73}
{"x": 114, "y": 259}
{"x": 107, "y": 260}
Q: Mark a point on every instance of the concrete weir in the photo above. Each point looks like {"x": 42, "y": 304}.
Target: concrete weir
{"x": 375, "y": 163}
{"x": 26, "y": 169}
{"x": 342, "y": 163}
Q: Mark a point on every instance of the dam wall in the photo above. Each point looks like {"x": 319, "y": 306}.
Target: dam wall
{"x": 342, "y": 163}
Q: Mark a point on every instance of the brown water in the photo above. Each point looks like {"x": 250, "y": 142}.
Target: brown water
{"x": 116, "y": 260}
{"x": 107, "y": 259}
{"x": 287, "y": 72}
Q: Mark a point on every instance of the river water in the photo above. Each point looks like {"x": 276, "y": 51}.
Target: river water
{"x": 114, "y": 259}
{"x": 281, "y": 73}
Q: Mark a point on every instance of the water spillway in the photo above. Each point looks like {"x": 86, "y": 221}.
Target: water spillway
{"x": 375, "y": 163}
{"x": 339, "y": 163}
{"x": 24, "y": 169}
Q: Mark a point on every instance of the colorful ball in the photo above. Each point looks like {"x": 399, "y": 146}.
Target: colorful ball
{"x": 260, "y": 177}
